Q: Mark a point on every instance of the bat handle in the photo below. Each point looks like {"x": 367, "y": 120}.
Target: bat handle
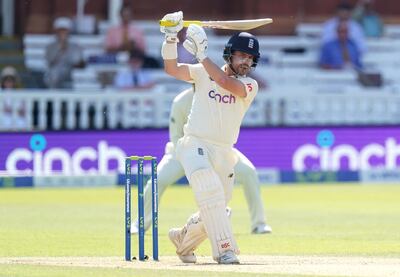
{"x": 186, "y": 23}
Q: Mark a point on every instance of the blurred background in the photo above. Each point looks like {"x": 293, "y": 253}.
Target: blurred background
{"x": 82, "y": 86}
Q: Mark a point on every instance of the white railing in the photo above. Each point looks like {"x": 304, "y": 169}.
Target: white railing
{"x": 29, "y": 110}
{"x": 83, "y": 110}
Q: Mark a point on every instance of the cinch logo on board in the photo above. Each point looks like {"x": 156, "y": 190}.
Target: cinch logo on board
{"x": 40, "y": 160}
{"x": 227, "y": 99}
{"x": 345, "y": 156}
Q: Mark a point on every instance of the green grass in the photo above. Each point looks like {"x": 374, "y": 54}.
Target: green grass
{"x": 343, "y": 220}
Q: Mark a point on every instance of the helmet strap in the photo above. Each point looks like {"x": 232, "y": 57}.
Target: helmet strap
{"x": 230, "y": 65}
{"x": 233, "y": 70}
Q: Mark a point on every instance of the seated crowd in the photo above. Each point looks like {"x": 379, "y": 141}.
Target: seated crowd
{"x": 343, "y": 45}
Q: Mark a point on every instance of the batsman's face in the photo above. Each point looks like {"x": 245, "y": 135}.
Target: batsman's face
{"x": 242, "y": 62}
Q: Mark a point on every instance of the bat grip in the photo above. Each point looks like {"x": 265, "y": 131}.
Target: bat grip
{"x": 186, "y": 23}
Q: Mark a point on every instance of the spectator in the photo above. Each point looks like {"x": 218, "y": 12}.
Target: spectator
{"x": 14, "y": 112}
{"x": 135, "y": 76}
{"x": 369, "y": 20}
{"x": 126, "y": 36}
{"x": 9, "y": 78}
{"x": 62, "y": 56}
{"x": 343, "y": 14}
{"x": 341, "y": 52}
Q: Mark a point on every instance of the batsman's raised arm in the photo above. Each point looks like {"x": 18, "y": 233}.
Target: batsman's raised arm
{"x": 169, "y": 50}
{"x": 196, "y": 43}
{"x": 238, "y": 64}
{"x": 227, "y": 82}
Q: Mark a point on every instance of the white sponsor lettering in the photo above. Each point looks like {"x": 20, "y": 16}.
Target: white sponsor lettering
{"x": 24, "y": 161}
{"x": 312, "y": 157}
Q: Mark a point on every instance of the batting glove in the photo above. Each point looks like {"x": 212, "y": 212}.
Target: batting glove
{"x": 171, "y": 33}
{"x": 196, "y": 42}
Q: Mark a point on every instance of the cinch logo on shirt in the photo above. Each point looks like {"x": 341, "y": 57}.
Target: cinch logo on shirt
{"x": 227, "y": 99}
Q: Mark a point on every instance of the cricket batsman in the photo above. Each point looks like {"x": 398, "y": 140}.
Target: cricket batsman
{"x": 222, "y": 97}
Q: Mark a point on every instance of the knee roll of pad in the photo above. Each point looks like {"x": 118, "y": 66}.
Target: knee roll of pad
{"x": 207, "y": 187}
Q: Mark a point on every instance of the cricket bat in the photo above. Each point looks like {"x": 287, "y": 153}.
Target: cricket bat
{"x": 242, "y": 25}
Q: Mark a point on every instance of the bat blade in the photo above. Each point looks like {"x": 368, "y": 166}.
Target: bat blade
{"x": 241, "y": 25}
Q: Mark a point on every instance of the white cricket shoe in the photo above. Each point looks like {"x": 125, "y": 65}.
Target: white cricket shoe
{"x": 228, "y": 257}
{"x": 176, "y": 236}
{"x": 262, "y": 229}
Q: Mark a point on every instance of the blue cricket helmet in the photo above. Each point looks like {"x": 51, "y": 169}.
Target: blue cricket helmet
{"x": 244, "y": 42}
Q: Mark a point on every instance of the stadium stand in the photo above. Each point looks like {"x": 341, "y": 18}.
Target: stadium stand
{"x": 314, "y": 30}
{"x": 298, "y": 93}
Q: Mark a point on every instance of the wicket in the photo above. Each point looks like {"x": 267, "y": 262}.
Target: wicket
{"x": 128, "y": 219}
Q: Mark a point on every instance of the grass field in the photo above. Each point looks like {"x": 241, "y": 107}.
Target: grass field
{"x": 307, "y": 221}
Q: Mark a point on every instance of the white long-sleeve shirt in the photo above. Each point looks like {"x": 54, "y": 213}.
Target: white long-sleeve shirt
{"x": 216, "y": 114}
